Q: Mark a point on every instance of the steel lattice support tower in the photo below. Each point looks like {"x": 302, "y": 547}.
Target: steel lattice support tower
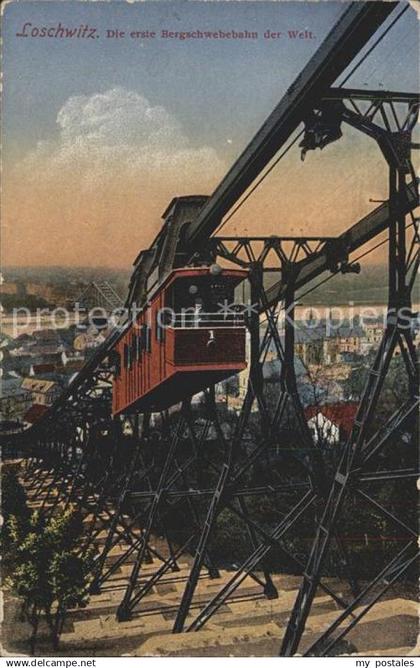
{"x": 132, "y": 485}
{"x": 365, "y": 445}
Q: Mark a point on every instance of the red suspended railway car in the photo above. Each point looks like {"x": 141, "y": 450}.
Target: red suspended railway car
{"x": 188, "y": 337}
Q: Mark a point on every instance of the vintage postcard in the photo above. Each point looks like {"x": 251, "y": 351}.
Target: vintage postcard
{"x": 209, "y": 331}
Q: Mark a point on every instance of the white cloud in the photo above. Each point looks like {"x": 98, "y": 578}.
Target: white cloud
{"x": 118, "y": 134}
{"x": 96, "y": 192}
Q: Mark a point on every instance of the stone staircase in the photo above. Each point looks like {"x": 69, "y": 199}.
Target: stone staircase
{"x": 247, "y": 625}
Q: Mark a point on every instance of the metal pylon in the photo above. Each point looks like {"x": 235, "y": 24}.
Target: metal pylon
{"x": 367, "y": 447}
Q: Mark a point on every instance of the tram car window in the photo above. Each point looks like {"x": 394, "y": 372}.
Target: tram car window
{"x": 138, "y": 346}
{"x": 115, "y": 361}
{"x": 160, "y": 326}
{"x": 147, "y": 338}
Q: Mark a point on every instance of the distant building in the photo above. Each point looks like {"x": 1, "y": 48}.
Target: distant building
{"x": 86, "y": 341}
{"x": 23, "y": 340}
{"x": 8, "y": 288}
{"x": 373, "y": 332}
{"x": 47, "y": 337}
{"x": 14, "y": 399}
{"x": 10, "y": 426}
{"x": 347, "y": 360}
{"x": 309, "y": 344}
{"x": 19, "y": 364}
{"x": 21, "y": 353}
{"x": 5, "y": 340}
{"x": 348, "y": 339}
{"x": 48, "y": 356}
{"x": 40, "y": 369}
{"x": 33, "y": 414}
{"x": 331, "y": 350}
{"x": 330, "y": 424}
{"x": 43, "y": 392}
{"x": 71, "y": 366}
{"x": 42, "y": 290}
{"x": 272, "y": 368}
{"x": 227, "y": 388}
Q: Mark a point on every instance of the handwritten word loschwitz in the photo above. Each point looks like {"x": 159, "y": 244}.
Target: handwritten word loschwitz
{"x": 84, "y": 31}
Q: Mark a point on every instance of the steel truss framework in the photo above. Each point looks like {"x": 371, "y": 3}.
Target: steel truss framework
{"x": 370, "y": 446}
{"x": 186, "y": 467}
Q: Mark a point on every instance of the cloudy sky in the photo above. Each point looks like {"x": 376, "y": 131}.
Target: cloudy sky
{"x": 99, "y": 134}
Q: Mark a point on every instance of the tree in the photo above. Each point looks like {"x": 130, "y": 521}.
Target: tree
{"x": 15, "y": 511}
{"x": 354, "y": 385}
{"x": 52, "y": 573}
